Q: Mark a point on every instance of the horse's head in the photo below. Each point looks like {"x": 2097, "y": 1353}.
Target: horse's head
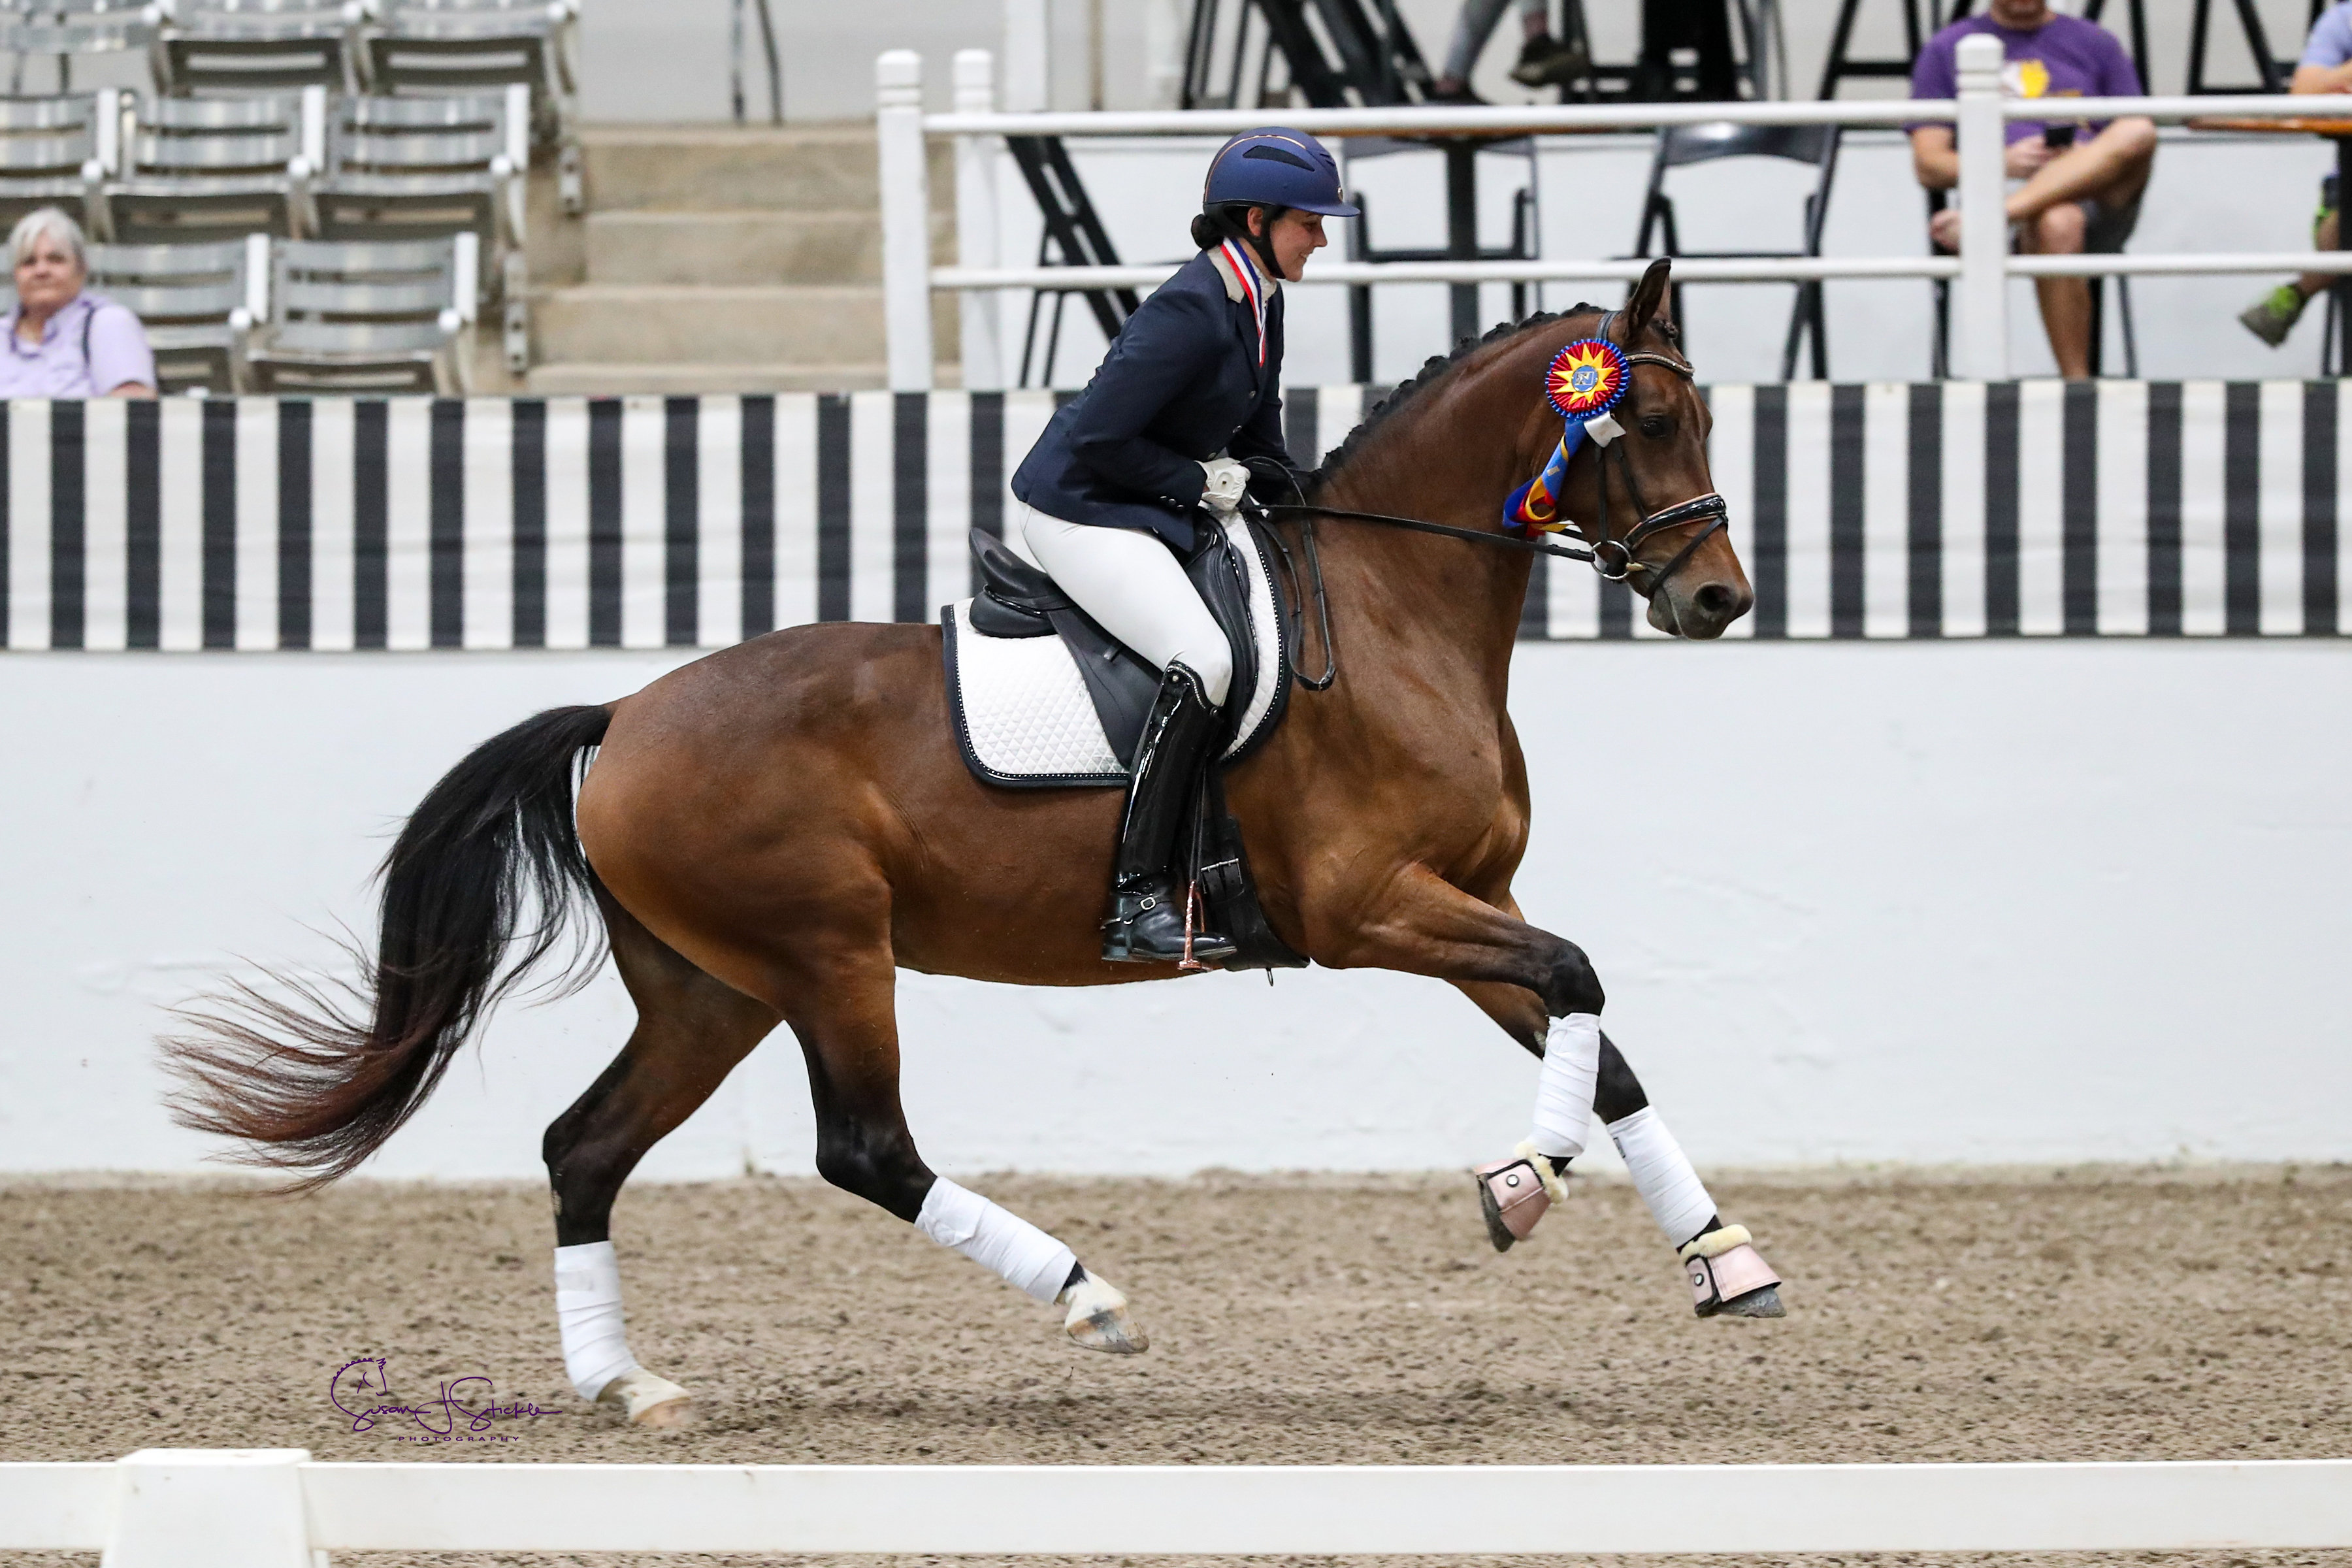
{"x": 1646, "y": 503}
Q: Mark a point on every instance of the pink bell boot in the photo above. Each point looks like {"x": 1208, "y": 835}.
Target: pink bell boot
{"x": 1515, "y": 1193}
{"x": 1729, "y": 1277}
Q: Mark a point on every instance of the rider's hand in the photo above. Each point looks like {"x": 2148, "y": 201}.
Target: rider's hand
{"x": 1227, "y": 480}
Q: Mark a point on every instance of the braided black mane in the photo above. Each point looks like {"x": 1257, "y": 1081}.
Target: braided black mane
{"x": 1432, "y": 370}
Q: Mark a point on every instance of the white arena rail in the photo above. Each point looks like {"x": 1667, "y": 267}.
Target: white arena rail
{"x": 1980, "y": 272}
{"x": 275, "y": 1508}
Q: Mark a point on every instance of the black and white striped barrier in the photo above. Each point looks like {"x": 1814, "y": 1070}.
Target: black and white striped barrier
{"x": 1956, "y": 509}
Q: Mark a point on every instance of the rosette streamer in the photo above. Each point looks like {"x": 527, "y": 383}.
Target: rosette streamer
{"x": 1583, "y": 384}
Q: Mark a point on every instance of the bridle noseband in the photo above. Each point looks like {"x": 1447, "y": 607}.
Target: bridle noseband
{"x": 1610, "y": 555}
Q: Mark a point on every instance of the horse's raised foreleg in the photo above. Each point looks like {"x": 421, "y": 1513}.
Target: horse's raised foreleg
{"x": 691, "y": 1031}
{"x": 1718, "y": 1258}
{"x": 848, "y": 1032}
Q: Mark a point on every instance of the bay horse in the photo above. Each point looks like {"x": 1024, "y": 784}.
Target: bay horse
{"x": 771, "y": 832}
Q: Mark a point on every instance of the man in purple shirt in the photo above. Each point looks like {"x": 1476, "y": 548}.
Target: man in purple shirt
{"x": 62, "y": 340}
{"x": 2082, "y": 179}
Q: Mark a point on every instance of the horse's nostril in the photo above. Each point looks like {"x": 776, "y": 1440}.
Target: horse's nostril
{"x": 1714, "y": 600}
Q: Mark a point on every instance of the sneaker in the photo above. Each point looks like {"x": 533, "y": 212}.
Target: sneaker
{"x": 1546, "y": 61}
{"x": 1452, "y": 92}
{"x": 2272, "y": 316}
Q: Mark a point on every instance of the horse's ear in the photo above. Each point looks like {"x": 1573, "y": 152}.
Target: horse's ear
{"x": 1651, "y": 298}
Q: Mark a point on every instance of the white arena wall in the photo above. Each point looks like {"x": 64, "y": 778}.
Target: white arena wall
{"x": 1924, "y": 901}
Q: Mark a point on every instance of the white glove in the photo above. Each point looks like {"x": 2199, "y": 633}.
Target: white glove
{"x": 1227, "y": 479}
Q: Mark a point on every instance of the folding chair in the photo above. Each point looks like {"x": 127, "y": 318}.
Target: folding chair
{"x": 435, "y": 47}
{"x": 354, "y": 318}
{"x": 1682, "y": 146}
{"x": 58, "y": 152}
{"x": 67, "y": 28}
{"x": 241, "y": 47}
{"x": 219, "y": 168}
{"x": 198, "y": 302}
{"x": 1940, "y": 350}
{"x": 410, "y": 168}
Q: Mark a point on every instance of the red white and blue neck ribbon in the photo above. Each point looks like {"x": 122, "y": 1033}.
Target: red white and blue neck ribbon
{"x": 1253, "y": 289}
{"x": 1584, "y": 383}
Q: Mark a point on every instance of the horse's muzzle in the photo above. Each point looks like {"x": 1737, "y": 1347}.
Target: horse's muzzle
{"x": 1699, "y": 608}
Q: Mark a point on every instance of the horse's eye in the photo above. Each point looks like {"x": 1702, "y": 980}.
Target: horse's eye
{"x": 1657, "y": 426}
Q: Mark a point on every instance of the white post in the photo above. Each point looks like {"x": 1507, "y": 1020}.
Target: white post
{"x": 1028, "y": 57}
{"x": 209, "y": 1508}
{"x": 1983, "y": 347}
{"x": 906, "y": 219}
{"x": 975, "y": 93}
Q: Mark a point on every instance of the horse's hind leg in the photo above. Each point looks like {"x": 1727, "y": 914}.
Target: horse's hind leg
{"x": 691, "y": 1031}
{"x": 843, "y": 1011}
{"x": 1728, "y": 1277}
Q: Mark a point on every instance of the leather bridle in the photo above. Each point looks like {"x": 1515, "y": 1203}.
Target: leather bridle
{"x": 1610, "y": 555}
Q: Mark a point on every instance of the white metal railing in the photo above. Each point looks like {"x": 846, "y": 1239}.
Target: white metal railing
{"x": 273, "y": 1508}
{"x": 1979, "y": 273}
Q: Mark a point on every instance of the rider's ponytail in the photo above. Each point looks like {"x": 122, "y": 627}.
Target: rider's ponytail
{"x": 1230, "y": 220}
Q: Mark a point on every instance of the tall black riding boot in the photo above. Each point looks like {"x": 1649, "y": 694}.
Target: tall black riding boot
{"x": 1147, "y": 920}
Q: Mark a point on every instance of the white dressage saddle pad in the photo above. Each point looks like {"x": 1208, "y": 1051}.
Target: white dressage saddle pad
{"x": 1023, "y": 714}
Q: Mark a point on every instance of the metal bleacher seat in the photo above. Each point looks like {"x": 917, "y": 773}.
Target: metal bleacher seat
{"x": 218, "y": 168}
{"x": 369, "y": 318}
{"x": 57, "y": 152}
{"x": 413, "y": 168}
{"x": 241, "y": 47}
{"x": 198, "y": 302}
{"x": 437, "y": 48}
{"x": 71, "y": 29}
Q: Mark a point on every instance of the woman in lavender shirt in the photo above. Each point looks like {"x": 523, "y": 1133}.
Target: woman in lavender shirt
{"x": 64, "y": 340}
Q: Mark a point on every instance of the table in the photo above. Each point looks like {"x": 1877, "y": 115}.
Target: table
{"x": 2340, "y": 132}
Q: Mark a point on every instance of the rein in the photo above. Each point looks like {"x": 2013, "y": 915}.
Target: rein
{"x": 1608, "y": 555}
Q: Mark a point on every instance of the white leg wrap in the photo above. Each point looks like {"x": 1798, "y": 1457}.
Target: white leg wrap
{"x": 1571, "y": 1067}
{"x": 588, "y": 1308}
{"x": 1663, "y": 1175}
{"x": 996, "y": 1238}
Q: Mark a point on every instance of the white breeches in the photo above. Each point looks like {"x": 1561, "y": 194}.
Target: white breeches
{"x": 1132, "y": 584}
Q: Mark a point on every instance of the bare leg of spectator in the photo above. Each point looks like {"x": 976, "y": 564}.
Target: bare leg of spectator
{"x": 2065, "y": 301}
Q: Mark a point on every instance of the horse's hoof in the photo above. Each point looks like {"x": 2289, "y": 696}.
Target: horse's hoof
{"x": 1729, "y": 1278}
{"x": 1514, "y": 1193}
{"x": 1764, "y": 1301}
{"x": 1099, "y": 1319}
{"x": 648, "y": 1400}
{"x": 1496, "y": 1231}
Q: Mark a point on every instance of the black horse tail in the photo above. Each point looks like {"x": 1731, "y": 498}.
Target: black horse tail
{"x": 312, "y": 1076}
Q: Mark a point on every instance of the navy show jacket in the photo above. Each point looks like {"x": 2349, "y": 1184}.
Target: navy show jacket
{"x": 1181, "y": 384}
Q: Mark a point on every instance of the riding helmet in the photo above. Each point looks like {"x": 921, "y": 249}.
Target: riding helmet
{"x": 1275, "y": 166}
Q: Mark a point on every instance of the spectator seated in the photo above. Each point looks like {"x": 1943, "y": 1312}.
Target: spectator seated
{"x": 2080, "y": 181}
{"x": 2326, "y": 66}
{"x": 64, "y": 340}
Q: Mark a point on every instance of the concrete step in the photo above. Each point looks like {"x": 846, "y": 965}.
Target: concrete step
{"x": 744, "y": 246}
{"x": 799, "y": 168}
{"x": 684, "y": 379}
{"x": 669, "y": 324}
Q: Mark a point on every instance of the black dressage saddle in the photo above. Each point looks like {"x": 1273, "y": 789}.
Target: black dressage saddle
{"x": 1017, "y": 599}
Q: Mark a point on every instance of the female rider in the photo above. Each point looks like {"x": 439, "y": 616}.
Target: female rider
{"x": 1188, "y": 392}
